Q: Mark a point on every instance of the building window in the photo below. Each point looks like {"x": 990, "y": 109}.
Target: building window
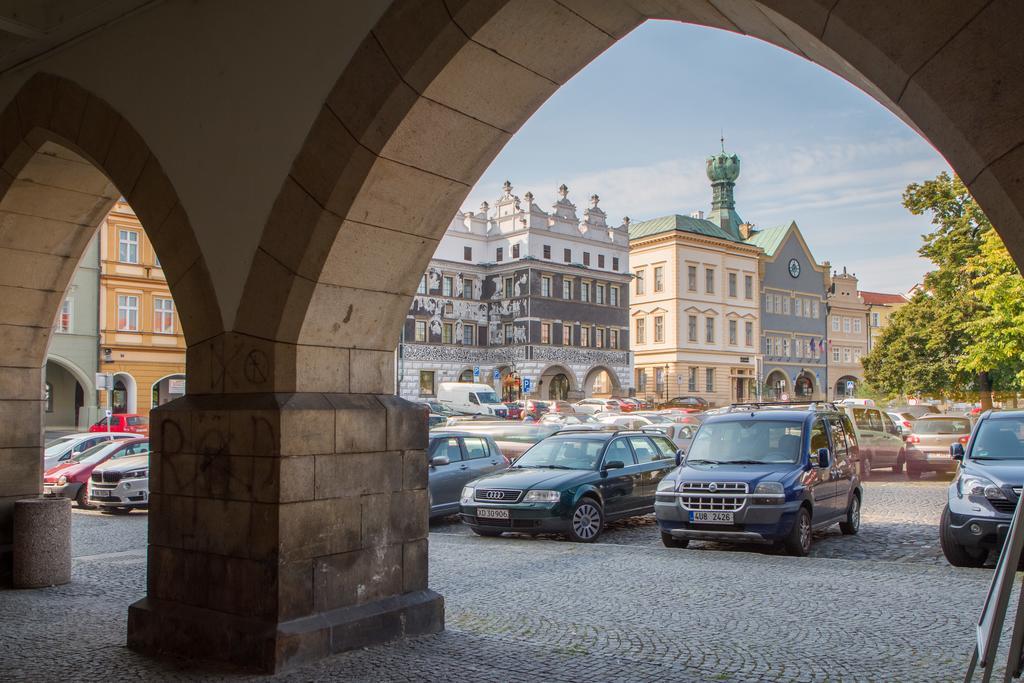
{"x": 856, "y": 355}
{"x": 768, "y": 303}
{"x": 785, "y": 305}
{"x": 449, "y": 310}
{"x": 835, "y": 323}
{"x": 48, "y": 396}
{"x": 508, "y": 288}
{"x": 422, "y": 289}
{"x": 599, "y": 291}
{"x": 709, "y": 379}
{"x": 613, "y": 339}
{"x": 567, "y": 289}
{"x": 545, "y": 286}
{"x": 691, "y": 384}
{"x": 613, "y": 295}
{"x": 467, "y": 253}
{"x": 814, "y": 310}
{"x": 499, "y": 255}
{"x": 547, "y": 251}
{"x": 876, "y": 319}
{"x": 584, "y": 291}
{"x": 468, "y": 334}
{"x": 128, "y": 313}
{"x": 797, "y": 309}
{"x": 798, "y": 348}
{"x": 640, "y": 284}
{"x": 467, "y": 288}
{"x": 846, "y": 325}
{"x": 733, "y": 333}
{"x": 659, "y": 279}
{"x": 807, "y": 308}
{"x": 600, "y": 260}
{"x": 584, "y": 335}
{"x": 599, "y": 338}
{"x": 857, "y": 329}
{"x": 446, "y": 285}
{"x": 691, "y": 278}
{"x": 659, "y": 329}
{"x": 566, "y": 334}
{"x": 641, "y": 380}
{"x": 515, "y": 251}
{"x": 748, "y": 333}
{"x": 446, "y": 333}
{"x": 509, "y": 332}
{"x": 709, "y": 330}
{"x": 128, "y": 246}
{"x": 785, "y": 348}
{"x": 709, "y": 280}
{"x": 163, "y": 316}
{"x": 586, "y": 258}
{"x": 835, "y": 355}
{"x": 641, "y": 331}
{"x": 615, "y": 263}
{"x": 733, "y": 284}
{"x": 567, "y": 255}
{"x": 420, "y": 331}
{"x": 545, "y": 333}
{"x": 426, "y": 382}
{"x": 748, "y": 287}
{"x": 846, "y": 355}
{"x": 659, "y": 380}
{"x": 691, "y": 328}
{"x": 64, "y": 317}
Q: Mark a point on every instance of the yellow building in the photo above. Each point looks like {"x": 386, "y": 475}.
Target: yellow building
{"x": 880, "y": 307}
{"x": 141, "y": 344}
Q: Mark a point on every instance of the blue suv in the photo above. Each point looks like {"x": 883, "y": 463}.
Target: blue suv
{"x": 765, "y": 473}
{"x": 982, "y": 497}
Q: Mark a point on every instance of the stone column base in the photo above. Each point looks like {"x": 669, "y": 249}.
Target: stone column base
{"x": 160, "y": 627}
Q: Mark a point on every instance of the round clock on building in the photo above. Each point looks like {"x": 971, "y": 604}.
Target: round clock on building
{"x": 794, "y": 267}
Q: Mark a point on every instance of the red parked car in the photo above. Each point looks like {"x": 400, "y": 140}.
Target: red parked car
{"x": 626, "y": 406}
{"x": 70, "y": 478}
{"x": 515, "y": 410}
{"x": 123, "y": 422}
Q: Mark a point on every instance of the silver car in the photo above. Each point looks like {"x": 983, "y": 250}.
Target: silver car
{"x": 456, "y": 458}
{"x": 120, "y": 485}
{"x": 64, "y": 448}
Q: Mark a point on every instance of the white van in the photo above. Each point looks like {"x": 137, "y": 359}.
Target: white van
{"x": 471, "y": 398}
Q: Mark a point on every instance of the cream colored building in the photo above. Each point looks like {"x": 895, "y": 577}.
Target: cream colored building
{"x": 694, "y": 305}
{"x": 847, "y": 335}
{"x": 880, "y": 306}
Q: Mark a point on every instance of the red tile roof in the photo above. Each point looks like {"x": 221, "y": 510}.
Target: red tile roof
{"x": 882, "y": 298}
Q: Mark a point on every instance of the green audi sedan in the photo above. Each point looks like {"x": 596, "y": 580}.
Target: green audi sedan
{"x": 571, "y": 483}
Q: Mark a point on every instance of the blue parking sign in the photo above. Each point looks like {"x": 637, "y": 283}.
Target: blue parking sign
{"x": 476, "y": 373}
{"x": 497, "y": 373}
{"x": 526, "y": 385}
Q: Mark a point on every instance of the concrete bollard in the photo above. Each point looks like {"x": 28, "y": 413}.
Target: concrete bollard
{"x": 42, "y": 542}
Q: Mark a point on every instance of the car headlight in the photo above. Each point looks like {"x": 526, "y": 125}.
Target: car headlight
{"x": 768, "y": 487}
{"x": 61, "y": 480}
{"x": 467, "y": 495}
{"x": 540, "y": 496}
{"x": 136, "y": 474}
{"x": 974, "y": 485}
{"x": 666, "y": 485}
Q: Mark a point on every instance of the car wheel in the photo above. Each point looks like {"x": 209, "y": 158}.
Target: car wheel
{"x": 913, "y": 473}
{"x": 956, "y": 554}
{"x": 586, "y": 521}
{"x": 898, "y": 467}
{"x": 798, "y": 543}
{"x": 670, "y": 541}
{"x": 486, "y": 532}
{"x": 82, "y": 498}
{"x": 852, "y": 523}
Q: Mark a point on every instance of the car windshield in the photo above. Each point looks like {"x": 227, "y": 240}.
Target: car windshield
{"x": 58, "y": 444}
{"x": 92, "y": 455}
{"x": 487, "y": 397}
{"x": 747, "y": 441}
{"x": 999, "y": 440}
{"x": 936, "y": 426}
{"x": 568, "y": 453}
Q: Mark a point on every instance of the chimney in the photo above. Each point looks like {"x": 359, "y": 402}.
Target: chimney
{"x": 699, "y": 215}
{"x": 746, "y": 230}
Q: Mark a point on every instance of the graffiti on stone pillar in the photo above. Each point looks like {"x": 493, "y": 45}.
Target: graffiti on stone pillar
{"x": 256, "y": 368}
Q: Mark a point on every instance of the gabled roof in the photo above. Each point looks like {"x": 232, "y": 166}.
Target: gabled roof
{"x": 698, "y": 226}
{"x": 769, "y": 239}
{"x": 877, "y": 298}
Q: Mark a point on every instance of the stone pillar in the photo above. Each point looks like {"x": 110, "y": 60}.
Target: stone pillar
{"x": 42, "y": 542}
{"x": 284, "y": 526}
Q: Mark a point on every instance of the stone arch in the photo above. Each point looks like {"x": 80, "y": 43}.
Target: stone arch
{"x": 154, "y": 385}
{"x": 131, "y": 388}
{"x": 593, "y": 374}
{"x": 87, "y": 383}
{"x": 776, "y": 383}
{"x": 841, "y": 387}
{"x": 805, "y": 381}
{"x": 549, "y": 375}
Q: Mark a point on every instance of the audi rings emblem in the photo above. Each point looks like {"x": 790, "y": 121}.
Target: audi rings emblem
{"x": 712, "y": 487}
{"x": 494, "y": 495}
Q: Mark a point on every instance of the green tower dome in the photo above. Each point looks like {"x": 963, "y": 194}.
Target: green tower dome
{"x": 723, "y": 170}
{"x": 723, "y": 167}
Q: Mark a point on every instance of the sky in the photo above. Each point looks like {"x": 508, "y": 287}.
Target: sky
{"x": 637, "y": 124}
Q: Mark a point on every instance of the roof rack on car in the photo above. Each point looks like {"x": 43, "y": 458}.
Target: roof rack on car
{"x": 792, "y": 405}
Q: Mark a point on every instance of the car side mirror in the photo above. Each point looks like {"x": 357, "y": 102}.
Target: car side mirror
{"x": 614, "y": 465}
{"x": 956, "y": 451}
{"x": 680, "y": 454}
{"x": 824, "y": 457}
{"x": 439, "y": 460}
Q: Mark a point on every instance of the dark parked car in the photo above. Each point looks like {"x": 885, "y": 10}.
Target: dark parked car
{"x": 982, "y": 498}
{"x": 571, "y": 483}
{"x": 928, "y": 444}
{"x": 763, "y": 475}
{"x": 456, "y": 457}
{"x": 694, "y": 404}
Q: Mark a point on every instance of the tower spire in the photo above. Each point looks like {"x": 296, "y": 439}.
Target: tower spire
{"x": 723, "y": 169}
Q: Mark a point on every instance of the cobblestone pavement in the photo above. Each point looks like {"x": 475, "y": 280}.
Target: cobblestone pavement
{"x": 528, "y": 610}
